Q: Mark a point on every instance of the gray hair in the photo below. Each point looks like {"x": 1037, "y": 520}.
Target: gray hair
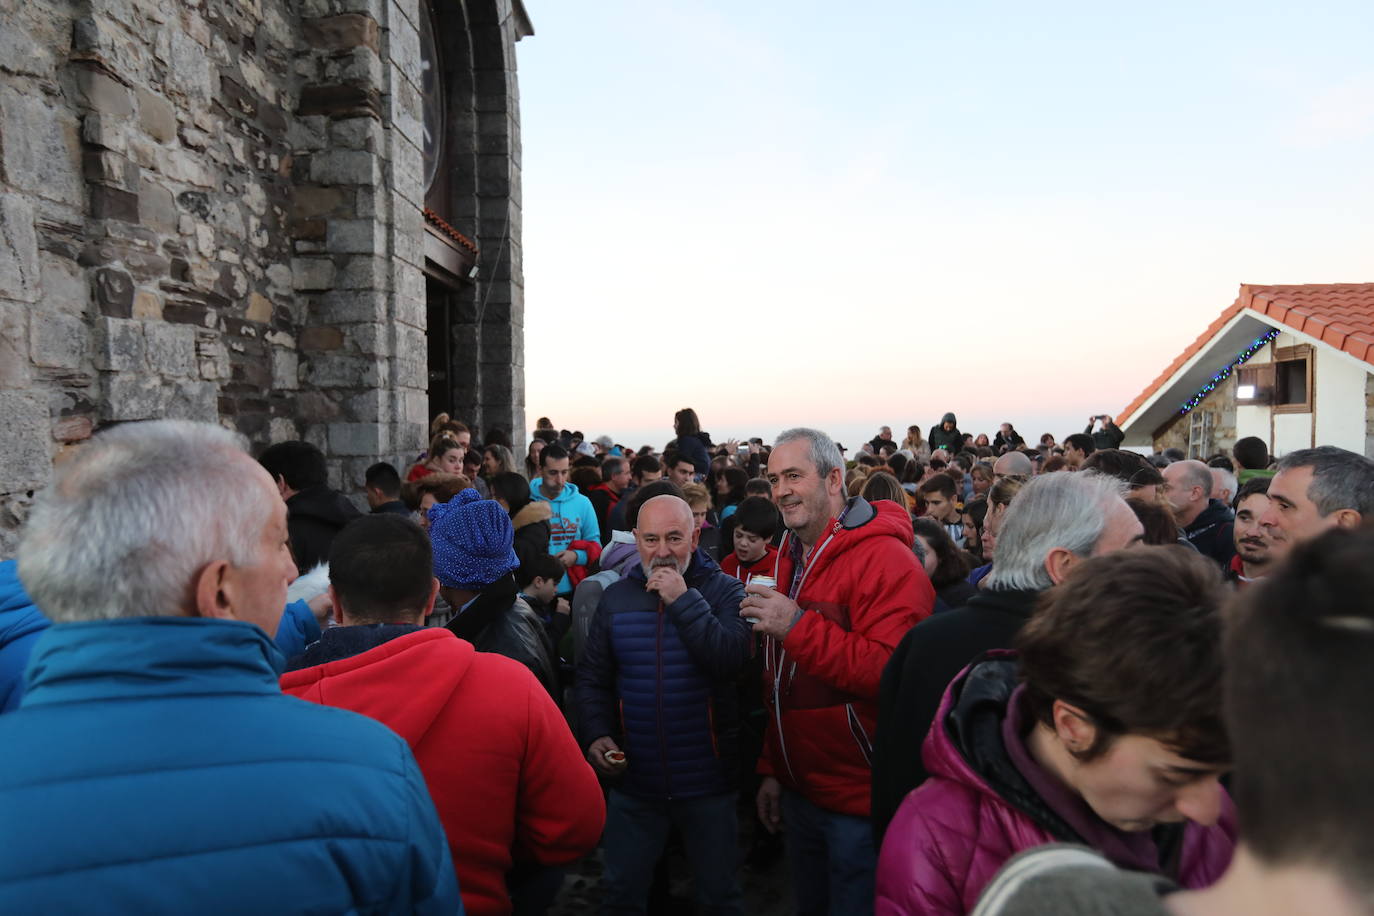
{"x": 1341, "y": 479}
{"x": 135, "y": 514}
{"x": 1066, "y": 510}
{"x": 1224, "y": 480}
{"x": 823, "y": 451}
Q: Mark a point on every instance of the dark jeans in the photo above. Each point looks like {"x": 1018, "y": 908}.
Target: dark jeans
{"x": 636, "y": 833}
{"x": 831, "y": 856}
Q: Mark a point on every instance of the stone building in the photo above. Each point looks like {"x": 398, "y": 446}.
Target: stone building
{"x": 1292, "y": 365}
{"x": 300, "y": 218}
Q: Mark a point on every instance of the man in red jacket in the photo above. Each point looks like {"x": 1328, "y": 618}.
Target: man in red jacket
{"x": 510, "y": 784}
{"x": 848, "y": 588}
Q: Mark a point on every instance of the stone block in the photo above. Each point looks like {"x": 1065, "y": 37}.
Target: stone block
{"x": 336, "y": 370}
{"x": 104, "y": 132}
{"x": 185, "y": 166}
{"x": 367, "y": 439}
{"x": 147, "y": 305}
{"x": 346, "y": 167}
{"x": 103, "y": 94}
{"x": 282, "y": 429}
{"x": 40, "y": 148}
{"x": 19, "y": 273}
{"x": 113, "y": 203}
{"x": 114, "y": 292}
{"x": 156, "y": 116}
{"x": 349, "y": 307}
{"x": 14, "y": 358}
{"x": 192, "y": 400}
{"x": 361, "y": 272}
{"x": 337, "y": 33}
{"x": 72, "y": 429}
{"x": 369, "y": 339}
{"x": 57, "y": 340}
{"x": 119, "y": 345}
{"x": 356, "y": 236}
{"x": 25, "y": 451}
{"x": 357, "y": 134}
{"x": 157, "y": 206}
{"x": 259, "y": 308}
{"x": 190, "y": 71}
{"x": 170, "y": 348}
{"x": 285, "y": 369}
{"x": 312, "y": 273}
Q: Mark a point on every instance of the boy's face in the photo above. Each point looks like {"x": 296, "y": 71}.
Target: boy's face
{"x": 542, "y": 589}
{"x": 749, "y": 547}
{"x": 940, "y": 507}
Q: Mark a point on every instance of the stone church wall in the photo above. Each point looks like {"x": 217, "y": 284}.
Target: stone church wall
{"x": 213, "y": 209}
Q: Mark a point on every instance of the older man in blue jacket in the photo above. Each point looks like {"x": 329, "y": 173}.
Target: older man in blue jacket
{"x": 656, "y": 693}
{"x": 154, "y": 765}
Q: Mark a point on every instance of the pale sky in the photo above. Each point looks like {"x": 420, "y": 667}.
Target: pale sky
{"x": 1013, "y": 211}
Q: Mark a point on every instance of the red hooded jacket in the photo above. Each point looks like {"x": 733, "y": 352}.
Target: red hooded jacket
{"x": 504, "y": 771}
{"x": 861, "y": 590}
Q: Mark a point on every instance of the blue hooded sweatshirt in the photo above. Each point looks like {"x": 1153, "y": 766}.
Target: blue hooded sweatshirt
{"x": 573, "y": 519}
{"x": 20, "y": 626}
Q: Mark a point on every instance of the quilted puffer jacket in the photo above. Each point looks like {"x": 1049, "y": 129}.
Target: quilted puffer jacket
{"x": 155, "y": 767}
{"x": 661, "y": 681}
{"x": 953, "y": 833}
{"x": 861, "y": 590}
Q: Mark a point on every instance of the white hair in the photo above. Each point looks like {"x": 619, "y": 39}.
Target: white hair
{"x": 1223, "y": 484}
{"x": 1067, "y": 510}
{"x": 133, "y": 517}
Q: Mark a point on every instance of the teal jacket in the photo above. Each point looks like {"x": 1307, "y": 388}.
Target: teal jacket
{"x": 154, "y": 766}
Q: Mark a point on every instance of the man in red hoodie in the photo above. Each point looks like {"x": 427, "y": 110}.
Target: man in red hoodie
{"x": 511, "y": 786}
{"x": 848, "y": 589}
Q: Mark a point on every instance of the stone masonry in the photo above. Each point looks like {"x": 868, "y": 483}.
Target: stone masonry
{"x": 213, "y": 209}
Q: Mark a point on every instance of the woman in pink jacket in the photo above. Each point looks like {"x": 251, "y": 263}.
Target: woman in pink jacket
{"x": 1105, "y": 731}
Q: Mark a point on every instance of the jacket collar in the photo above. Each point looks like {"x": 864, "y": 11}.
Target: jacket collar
{"x": 490, "y": 603}
{"x": 344, "y": 642}
{"x": 143, "y": 657}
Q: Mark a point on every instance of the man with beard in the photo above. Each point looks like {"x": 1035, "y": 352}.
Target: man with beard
{"x": 1256, "y": 546}
{"x": 659, "y": 711}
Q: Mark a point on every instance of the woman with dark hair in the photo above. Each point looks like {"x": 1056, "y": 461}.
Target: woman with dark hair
{"x": 946, "y": 565}
{"x": 530, "y": 518}
{"x": 729, "y": 491}
{"x": 691, "y": 443}
{"x": 532, "y": 458}
{"x": 975, "y": 511}
{"x": 1157, "y": 519}
{"x": 1104, "y": 729}
{"x": 882, "y": 485}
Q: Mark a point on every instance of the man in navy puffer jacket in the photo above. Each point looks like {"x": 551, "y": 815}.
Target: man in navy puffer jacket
{"x": 656, "y": 692}
{"x": 154, "y": 765}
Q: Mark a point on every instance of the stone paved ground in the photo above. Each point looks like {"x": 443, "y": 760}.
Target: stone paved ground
{"x": 767, "y": 891}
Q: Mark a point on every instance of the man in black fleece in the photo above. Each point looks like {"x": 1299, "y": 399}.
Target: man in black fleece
{"x": 1055, "y": 522}
{"x": 1208, "y": 524}
{"x": 315, "y": 513}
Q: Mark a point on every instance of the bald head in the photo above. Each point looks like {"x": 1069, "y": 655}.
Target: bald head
{"x": 666, "y": 533}
{"x": 1012, "y": 464}
{"x": 1188, "y": 486}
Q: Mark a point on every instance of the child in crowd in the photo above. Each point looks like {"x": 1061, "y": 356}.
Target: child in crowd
{"x": 756, "y": 521}
{"x": 537, "y": 579}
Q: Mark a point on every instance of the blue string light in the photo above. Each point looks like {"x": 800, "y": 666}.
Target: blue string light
{"x": 1224, "y": 374}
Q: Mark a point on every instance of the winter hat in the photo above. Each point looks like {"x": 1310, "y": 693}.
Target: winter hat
{"x": 472, "y": 541}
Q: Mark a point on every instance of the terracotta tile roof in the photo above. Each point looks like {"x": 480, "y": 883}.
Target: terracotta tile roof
{"x": 446, "y": 229}
{"x": 1338, "y": 314}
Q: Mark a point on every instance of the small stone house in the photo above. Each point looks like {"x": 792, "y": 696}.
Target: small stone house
{"x": 297, "y": 218}
{"x": 1293, "y": 365}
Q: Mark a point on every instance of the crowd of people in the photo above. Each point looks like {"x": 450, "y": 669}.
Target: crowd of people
{"x": 945, "y": 674}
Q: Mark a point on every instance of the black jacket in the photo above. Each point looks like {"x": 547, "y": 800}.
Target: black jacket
{"x": 914, "y": 681}
{"x": 499, "y": 621}
{"x": 313, "y": 517}
{"x": 1213, "y": 533}
{"x": 952, "y": 441}
{"x": 1109, "y": 436}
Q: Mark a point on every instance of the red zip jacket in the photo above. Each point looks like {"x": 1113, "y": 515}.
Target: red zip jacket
{"x": 763, "y": 566}
{"x": 861, "y": 590}
{"x": 504, "y": 771}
